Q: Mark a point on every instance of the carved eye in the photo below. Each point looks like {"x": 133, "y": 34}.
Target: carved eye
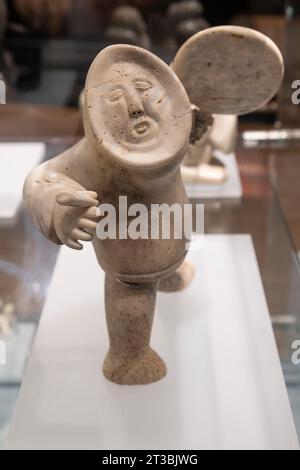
{"x": 115, "y": 94}
{"x": 142, "y": 86}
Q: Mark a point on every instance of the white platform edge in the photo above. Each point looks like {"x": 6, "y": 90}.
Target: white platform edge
{"x": 229, "y": 189}
{"x": 224, "y": 389}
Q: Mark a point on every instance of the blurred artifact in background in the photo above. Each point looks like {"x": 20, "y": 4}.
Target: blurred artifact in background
{"x": 127, "y": 26}
{"x": 44, "y": 15}
{"x": 31, "y": 23}
{"x": 186, "y": 19}
{"x": 3, "y": 24}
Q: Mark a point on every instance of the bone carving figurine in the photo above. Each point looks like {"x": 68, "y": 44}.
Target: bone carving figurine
{"x": 137, "y": 122}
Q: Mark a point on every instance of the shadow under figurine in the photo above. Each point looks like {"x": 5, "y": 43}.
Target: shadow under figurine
{"x": 138, "y": 123}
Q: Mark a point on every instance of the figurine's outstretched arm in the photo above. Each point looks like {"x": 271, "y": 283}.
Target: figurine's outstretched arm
{"x": 61, "y": 208}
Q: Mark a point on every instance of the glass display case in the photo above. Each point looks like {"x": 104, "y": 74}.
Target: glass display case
{"x": 44, "y": 71}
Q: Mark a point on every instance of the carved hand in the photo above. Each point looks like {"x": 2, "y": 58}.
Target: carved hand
{"x": 75, "y": 217}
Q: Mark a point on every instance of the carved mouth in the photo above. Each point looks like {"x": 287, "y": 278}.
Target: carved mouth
{"x": 141, "y": 132}
{"x": 142, "y": 127}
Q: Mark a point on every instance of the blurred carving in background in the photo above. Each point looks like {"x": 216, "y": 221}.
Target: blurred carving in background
{"x": 127, "y": 26}
{"x": 186, "y": 19}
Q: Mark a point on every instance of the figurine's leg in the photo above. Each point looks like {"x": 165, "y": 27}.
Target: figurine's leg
{"x": 179, "y": 279}
{"x": 129, "y": 315}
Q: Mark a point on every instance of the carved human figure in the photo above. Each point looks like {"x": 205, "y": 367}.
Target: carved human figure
{"x": 137, "y": 121}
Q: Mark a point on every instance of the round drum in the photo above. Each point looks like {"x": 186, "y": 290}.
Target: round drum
{"x": 229, "y": 69}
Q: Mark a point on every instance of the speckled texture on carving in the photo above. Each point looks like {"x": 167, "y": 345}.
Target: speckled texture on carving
{"x": 229, "y": 69}
{"x": 137, "y": 120}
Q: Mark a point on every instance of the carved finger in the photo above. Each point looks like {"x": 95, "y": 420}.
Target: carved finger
{"x": 88, "y": 225}
{"x": 78, "y": 198}
{"x": 92, "y": 213}
{"x": 79, "y": 234}
{"x": 75, "y": 245}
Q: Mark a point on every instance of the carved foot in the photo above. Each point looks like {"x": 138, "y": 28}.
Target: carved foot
{"x": 180, "y": 279}
{"x": 141, "y": 370}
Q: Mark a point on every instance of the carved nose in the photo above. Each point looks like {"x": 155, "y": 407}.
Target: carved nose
{"x": 135, "y": 113}
{"x": 135, "y": 106}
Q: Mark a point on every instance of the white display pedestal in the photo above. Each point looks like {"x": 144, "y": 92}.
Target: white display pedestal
{"x": 17, "y": 159}
{"x": 224, "y": 388}
{"x": 231, "y": 188}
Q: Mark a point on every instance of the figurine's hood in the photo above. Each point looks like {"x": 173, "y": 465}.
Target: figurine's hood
{"x": 116, "y": 85}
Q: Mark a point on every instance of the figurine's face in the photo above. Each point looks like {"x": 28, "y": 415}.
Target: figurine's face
{"x": 134, "y": 107}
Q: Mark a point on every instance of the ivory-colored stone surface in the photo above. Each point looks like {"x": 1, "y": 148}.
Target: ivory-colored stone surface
{"x": 180, "y": 279}
{"x": 229, "y": 69}
{"x": 138, "y": 123}
{"x": 129, "y": 314}
{"x": 137, "y": 120}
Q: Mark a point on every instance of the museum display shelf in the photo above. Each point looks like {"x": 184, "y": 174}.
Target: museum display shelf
{"x": 224, "y": 388}
{"x": 230, "y": 188}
